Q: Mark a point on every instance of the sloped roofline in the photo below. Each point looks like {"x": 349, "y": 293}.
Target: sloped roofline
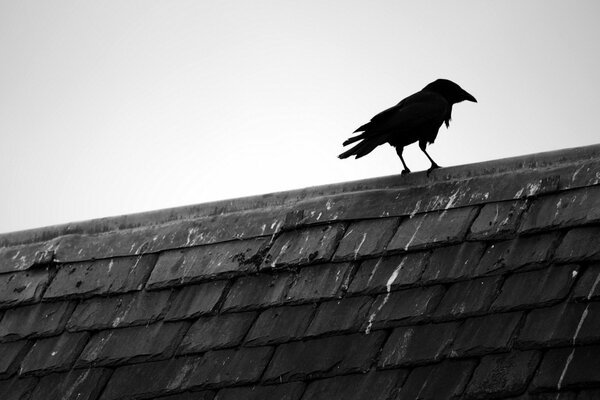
{"x": 550, "y": 159}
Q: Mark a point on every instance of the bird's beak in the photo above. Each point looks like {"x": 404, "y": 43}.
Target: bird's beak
{"x": 468, "y": 97}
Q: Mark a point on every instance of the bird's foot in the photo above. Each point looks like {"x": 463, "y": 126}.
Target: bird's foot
{"x": 433, "y": 166}
{"x": 405, "y": 171}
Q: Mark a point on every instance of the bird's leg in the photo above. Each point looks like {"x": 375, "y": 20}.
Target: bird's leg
{"x": 399, "y": 152}
{"x": 422, "y": 146}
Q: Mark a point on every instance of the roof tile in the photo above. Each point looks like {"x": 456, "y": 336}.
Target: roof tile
{"x": 10, "y": 355}
{"x": 468, "y": 298}
{"x": 502, "y": 375}
{"x": 563, "y": 324}
{"x": 20, "y": 258}
{"x": 17, "y": 388}
{"x": 54, "y": 354}
{"x": 403, "y": 306}
{"x": 280, "y": 324}
{"x": 224, "y": 330}
{"x": 579, "y": 244}
{"x": 453, "y": 262}
{"x": 176, "y": 267}
{"x": 488, "y": 334}
{"x": 195, "y": 300}
{"x": 448, "y": 226}
{"x": 149, "y": 379}
{"x": 345, "y": 315}
{"x": 118, "y": 311}
{"x": 203, "y": 395}
{"x": 446, "y": 380}
{"x": 263, "y": 290}
{"x": 563, "y": 368}
{"x": 23, "y": 287}
{"x": 319, "y": 282}
{"x": 100, "y": 277}
{"x": 374, "y": 385}
{"x": 575, "y": 207}
{"x": 509, "y": 255}
{"x": 286, "y": 391}
{"x": 365, "y": 238}
{"x": 497, "y": 220}
{"x": 376, "y": 275}
{"x": 309, "y": 245}
{"x": 133, "y": 344}
{"x": 321, "y": 357}
{"x": 542, "y": 287}
{"x": 418, "y": 344}
{"x": 42, "y": 319}
{"x": 229, "y": 367}
{"x": 73, "y": 385}
{"x": 588, "y": 286}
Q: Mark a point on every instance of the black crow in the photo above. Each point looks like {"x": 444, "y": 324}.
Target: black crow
{"x": 416, "y": 118}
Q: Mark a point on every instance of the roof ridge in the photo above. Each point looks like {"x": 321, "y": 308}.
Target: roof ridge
{"x": 281, "y": 200}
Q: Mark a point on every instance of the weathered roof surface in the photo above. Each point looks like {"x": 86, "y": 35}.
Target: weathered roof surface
{"x": 481, "y": 281}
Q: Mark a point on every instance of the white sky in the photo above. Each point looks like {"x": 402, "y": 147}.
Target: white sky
{"x": 116, "y": 107}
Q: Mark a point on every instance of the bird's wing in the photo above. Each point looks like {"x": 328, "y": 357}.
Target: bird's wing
{"x": 420, "y": 108}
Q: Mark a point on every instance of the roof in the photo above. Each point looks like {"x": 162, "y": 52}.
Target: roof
{"x": 480, "y": 281}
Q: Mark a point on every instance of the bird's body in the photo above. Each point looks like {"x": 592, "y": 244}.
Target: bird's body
{"x": 417, "y": 118}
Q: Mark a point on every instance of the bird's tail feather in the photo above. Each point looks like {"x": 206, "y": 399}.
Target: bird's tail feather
{"x": 353, "y": 139}
{"x": 360, "y": 150}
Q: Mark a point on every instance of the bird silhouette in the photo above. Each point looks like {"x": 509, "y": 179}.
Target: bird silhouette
{"x": 416, "y": 118}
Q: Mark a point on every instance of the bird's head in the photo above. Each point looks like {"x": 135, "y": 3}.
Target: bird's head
{"x": 450, "y": 90}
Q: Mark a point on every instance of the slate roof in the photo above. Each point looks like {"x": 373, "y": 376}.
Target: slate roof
{"x": 481, "y": 281}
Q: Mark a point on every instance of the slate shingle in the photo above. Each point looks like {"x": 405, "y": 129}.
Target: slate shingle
{"x": 263, "y": 290}
{"x": 10, "y": 354}
{"x": 497, "y": 220}
{"x": 42, "y": 319}
{"x": 286, "y": 391}
{"x": 404, "y": 306}
{"x": 588, "y": 286}
{"x": 453, "y": 263}
{"x": 535, "y": 288}
{"x": 446, "y": 380}
{"x": 309, "y": 245}
{"x": 133, "y": 344}
{"x": 100, "y": 277}
{"x": 219, "y": 331}
{"x": 365, "y": 238}
{"x": 417, "y": 344}
{"x": 345, "y": 315}
{"x": 23, "y": 287}
{"x": 319, "y": 282}
{"x": 484, "y": 335}
{"x": 502, "y": 375}
{"x": 320, "y": 357}
{"x": 119, "y": 311}
{"x": 374, "y": 385}
{"x": 568, "y": 208}
{"x": 78, "y": 384}
{"x": 448, "y": 226}
{"x": 280, "y": 324}
{"x": 563, "y": 324}
{"x": 579, "y": 244}
{"x": 195, "y": 300}
{"x": 563, "y": 368}
{"x": 176, "y": 267}
{"x": 375, "y": 275}
{"x": 468, "y": 298}
{"x": 17, "y": 388}
{"x": 510, "y": 255}
{"x": 53, "y": 354}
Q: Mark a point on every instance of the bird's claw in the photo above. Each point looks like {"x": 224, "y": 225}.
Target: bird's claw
{"x": 433, "y": 166}
{"x": 405, "y": 171}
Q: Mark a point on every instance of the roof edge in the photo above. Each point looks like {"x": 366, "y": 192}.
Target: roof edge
{"x": 264, "y": 201}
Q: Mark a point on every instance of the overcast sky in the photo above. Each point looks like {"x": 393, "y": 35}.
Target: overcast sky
{"x": 116, "y": 107}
